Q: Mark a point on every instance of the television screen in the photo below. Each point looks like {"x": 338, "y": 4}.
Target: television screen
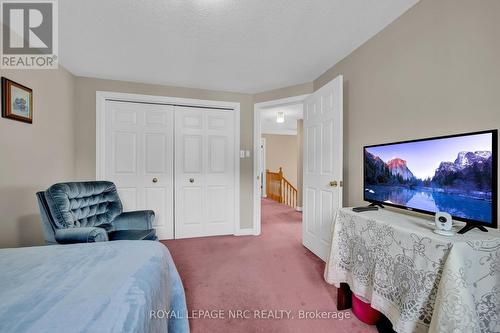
{"x": 454, "y": 174}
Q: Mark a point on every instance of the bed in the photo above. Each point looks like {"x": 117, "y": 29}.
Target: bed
{"x": 91, "y": 287}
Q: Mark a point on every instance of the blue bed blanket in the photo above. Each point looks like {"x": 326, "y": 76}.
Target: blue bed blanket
{"x": 91, "y": 287}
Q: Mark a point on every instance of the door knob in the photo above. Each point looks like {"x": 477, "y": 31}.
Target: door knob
{"x": 191, "y": 180}
{"x": 333, "y": 183}
{"x": 155, "y": 180}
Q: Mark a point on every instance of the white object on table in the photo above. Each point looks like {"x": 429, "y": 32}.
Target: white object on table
{"x": 444, "y": 223}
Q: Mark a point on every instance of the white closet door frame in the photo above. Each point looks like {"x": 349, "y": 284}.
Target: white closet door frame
{"x": 103, "y": 96}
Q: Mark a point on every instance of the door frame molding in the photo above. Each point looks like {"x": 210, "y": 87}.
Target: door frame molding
{"x": 257, "y": 134}
{"x": 263, "y": 145}
{"x": 103, "y": 96}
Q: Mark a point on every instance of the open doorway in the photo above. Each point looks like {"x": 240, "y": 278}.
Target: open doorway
{"x": 281, "y": 165}
{"x": 278, "y": 134}
{"x": 323, "y": 163}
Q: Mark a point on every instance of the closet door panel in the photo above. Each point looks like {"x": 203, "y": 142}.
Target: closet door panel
{"x": 139, "y": 158}
{"x": 157, "y": 166}
{"x": 204, "y": 172}
{"x": 220, "y": 172}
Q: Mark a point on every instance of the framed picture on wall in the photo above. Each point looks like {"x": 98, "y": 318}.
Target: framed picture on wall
{"x": 17, "y": 101}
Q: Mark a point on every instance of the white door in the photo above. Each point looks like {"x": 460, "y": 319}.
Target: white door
{"x": 204, "y": 172}
{"x": 322, "y": 189}
{"x": 139, "y": 159}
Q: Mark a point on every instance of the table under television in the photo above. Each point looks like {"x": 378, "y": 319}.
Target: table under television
{"x": 421, "y": 281}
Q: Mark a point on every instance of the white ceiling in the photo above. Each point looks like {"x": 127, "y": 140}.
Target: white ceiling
{"x": 234, "y": 45}
{"x": 292, "y": 113}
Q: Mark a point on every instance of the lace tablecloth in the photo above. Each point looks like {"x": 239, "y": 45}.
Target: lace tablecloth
{"x": 421, "y": 281}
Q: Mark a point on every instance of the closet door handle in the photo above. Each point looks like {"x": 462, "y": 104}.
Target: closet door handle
{"x": 191, "y": 180}
{"x": 155, "y": 180}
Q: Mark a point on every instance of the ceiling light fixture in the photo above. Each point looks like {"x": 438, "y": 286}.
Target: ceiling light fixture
{"x": 280, "y": 117}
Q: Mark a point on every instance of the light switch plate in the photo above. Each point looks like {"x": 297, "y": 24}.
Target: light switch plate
{"x": 247, "y": 153}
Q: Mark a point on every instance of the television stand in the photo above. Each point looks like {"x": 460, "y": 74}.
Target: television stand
{"x": 470, "y": 226}
{"x": 375, "y": 204}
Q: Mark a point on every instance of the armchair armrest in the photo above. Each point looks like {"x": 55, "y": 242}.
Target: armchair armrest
{"x": 137, "y": 220}
{"x": 81, "y": 235}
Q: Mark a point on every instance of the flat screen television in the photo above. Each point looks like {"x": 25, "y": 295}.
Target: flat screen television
{"x": 456, "y": 174}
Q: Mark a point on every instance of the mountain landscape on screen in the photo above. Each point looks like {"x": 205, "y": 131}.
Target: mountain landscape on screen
{"x": 471, "y": 171}
{"x": 412, "y": 175}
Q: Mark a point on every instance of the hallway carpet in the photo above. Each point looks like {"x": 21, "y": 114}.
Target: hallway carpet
{"x": 272, "y": 271}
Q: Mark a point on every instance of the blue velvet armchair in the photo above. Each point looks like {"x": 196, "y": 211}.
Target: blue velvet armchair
{"x": 85, "y": 212}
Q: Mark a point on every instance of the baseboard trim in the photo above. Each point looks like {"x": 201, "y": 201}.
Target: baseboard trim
{"x": 245, "y": 232}
{"x": 299, "y": 209}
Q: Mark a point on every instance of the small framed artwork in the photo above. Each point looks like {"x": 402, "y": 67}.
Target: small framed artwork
{"x": 17, "y": 101}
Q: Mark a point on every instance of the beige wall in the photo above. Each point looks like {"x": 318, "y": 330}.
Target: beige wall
{"x": 85, "y": 131}
{"x": 37, "y": 155}
{"x": 434, "y": 71}
{"x": 296, "y": 90}
{"x": 281, "y": 151}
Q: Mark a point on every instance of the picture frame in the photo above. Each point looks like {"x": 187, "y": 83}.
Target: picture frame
{"x": 17, "y": 101}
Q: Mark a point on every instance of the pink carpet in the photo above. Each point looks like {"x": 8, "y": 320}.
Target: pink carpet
{"x": 270, "y": 272}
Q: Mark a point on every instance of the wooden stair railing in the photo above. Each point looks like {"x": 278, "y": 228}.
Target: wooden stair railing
{"x": 289, "y": 194}
{"x": 279, "y": 188}
{"x": 273, "y": 185}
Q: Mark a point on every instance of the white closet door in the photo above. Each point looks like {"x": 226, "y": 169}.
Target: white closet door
{"x": 204, "y": 172}
{"x": 322, "y": 165}
{"x": 139, "y": 159}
